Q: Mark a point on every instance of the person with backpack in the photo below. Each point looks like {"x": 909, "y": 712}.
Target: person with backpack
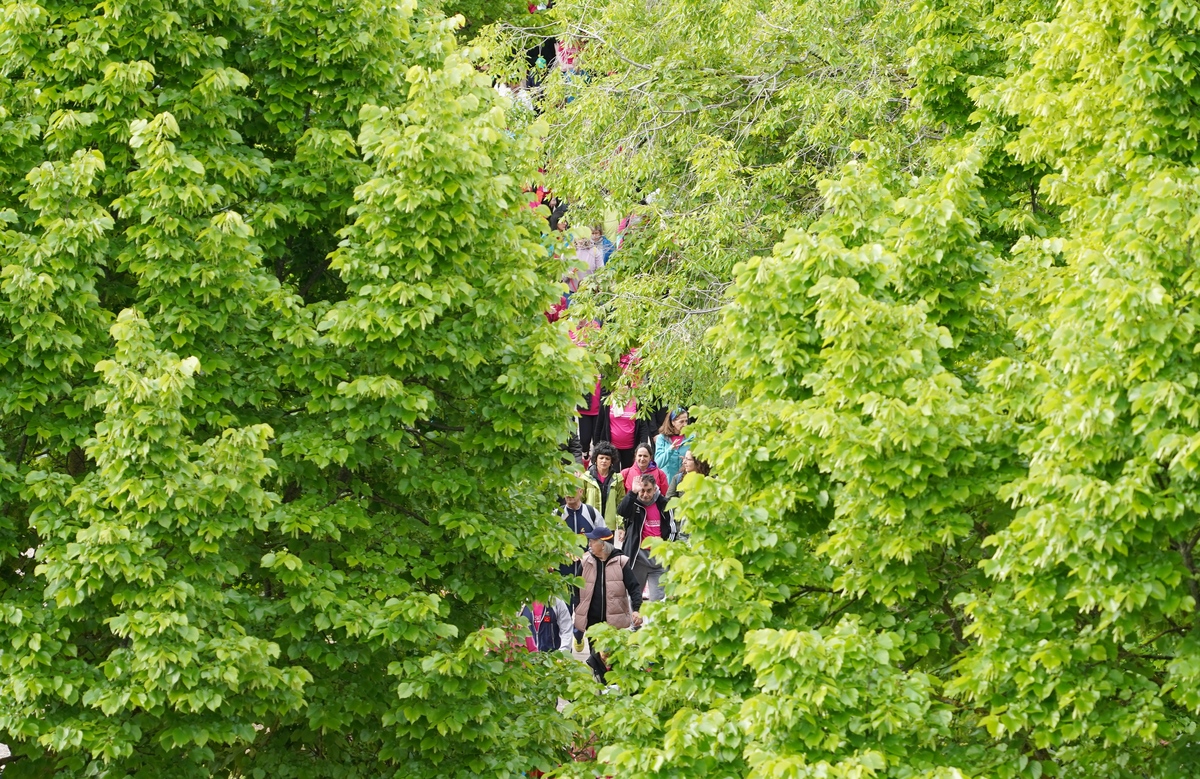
{"x": 645, "y": 516}
{"x": 581, "y": 519}
{"x": 579, "y": 516}
{"x": 549, "y": 625}
{"x": 610, "y": 593}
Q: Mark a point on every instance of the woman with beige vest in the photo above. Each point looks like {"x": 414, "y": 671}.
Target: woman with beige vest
{"x": 610, "y": 592}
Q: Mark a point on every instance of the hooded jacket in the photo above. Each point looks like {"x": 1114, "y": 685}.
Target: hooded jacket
{"x": 633, "y": 514}
{"x": 551, "y": 632}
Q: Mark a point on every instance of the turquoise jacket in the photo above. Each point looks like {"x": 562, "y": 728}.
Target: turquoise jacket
{"x": 668, "y": 457}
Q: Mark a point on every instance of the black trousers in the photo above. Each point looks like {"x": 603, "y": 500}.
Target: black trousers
{"x": 587, "y": 432}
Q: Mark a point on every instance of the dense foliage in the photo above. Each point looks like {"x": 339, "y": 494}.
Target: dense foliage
{"x": 278, "y": 406}
{"x": 279, "y": 409}
{"x": 712, "y": 125}
{"x": 478, "y": 14}
{"x": 954, "y": 527}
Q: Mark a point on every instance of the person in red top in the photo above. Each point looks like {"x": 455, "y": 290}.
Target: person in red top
{"x": 623, "y": 426}
{"x": 589, "y": 418}
{"x": 644, "y": 465}
{"x": 589, "y": 414}
{"x": 644, "y": 516}
{"x": 550, "y": 627}
{"x": 565, "y": 52}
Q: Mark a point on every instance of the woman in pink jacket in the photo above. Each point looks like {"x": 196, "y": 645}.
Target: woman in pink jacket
{"x": 643, "y": 463}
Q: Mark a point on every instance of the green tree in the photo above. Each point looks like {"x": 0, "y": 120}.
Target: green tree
{"x": 712, "y": 124}
{"x": 954, "y": 526}
{"x": 479, "y": 14}
{"x": 278, "y": 523}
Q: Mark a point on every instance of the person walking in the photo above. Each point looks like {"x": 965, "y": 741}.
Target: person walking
{"x": 623, "y": 425}
{"x": 579, "y": 516}
{"x": 581, "y": 519}
{"x": 589, "y": 258}
{"x": 645, "y": 516}
{"x": 600, "y": 240}
{"x": 610, "y": 593}
{"x": 589, "y": 420}
{"x": 588, "y": 412}
{"x": 644, "y": 465}
{"x": 603, "y": 486}
{"x": 625, "y": 429}
{"x": 671, "y": 444}
{"x": 550, "y": 626}
{"x": 691, "y": 473}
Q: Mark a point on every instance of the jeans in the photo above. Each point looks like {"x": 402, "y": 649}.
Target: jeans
{"x": 655, "y": 589}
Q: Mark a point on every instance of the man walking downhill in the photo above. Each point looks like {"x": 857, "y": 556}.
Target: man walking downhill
{"x": 610, "y": 592}
{"x": 645, "y": 516}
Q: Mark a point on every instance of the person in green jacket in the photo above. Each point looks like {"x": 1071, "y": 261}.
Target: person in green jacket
{"x": 603, "y": 485}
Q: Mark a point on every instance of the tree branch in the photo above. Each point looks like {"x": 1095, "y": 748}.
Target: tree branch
{"x": 955, "y": 626}
{"x": 1185, "y": 551}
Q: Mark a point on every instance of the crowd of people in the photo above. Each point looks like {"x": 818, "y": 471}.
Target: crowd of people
{"x": 616, "y": 513}
{"x": 632, "y": 465}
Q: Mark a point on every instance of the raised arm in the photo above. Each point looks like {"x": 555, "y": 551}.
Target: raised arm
{"x": 625, "y": 508}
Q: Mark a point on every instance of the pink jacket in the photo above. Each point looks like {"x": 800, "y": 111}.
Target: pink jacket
{"x": 633, "y": 472}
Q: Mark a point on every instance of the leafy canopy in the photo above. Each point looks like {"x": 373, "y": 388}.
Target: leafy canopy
{"x": 711, "y": 124}
{"x": 954, "y": 526}
{"x": 278, "y": 407}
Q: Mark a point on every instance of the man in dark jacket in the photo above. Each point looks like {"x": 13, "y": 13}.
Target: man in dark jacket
{"x": 644, "y": 516}
{"x": 610, "y": 593}
{"x": 549, "y": 626}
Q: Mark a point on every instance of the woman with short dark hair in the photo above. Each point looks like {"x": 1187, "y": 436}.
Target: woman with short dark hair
{"x": 603, "y": 486}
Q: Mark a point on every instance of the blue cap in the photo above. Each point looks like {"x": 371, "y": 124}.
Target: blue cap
{"x": 599, "y": 534}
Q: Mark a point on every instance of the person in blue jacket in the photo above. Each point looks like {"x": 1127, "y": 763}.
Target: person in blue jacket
{"x": 600, "y": 240}
{"x": 550, "y": 625}
{"x": 671, "y": 444}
